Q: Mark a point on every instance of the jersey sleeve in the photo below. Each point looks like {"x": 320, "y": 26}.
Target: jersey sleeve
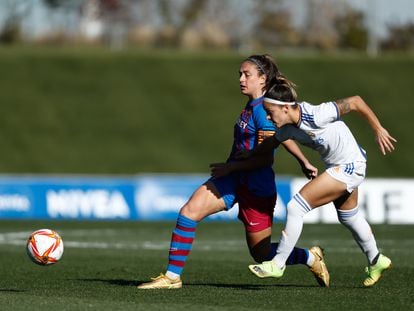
{"x": 286, "y": 132}
{"x": 326, "y": 113}
{"x": 264, "y": 127}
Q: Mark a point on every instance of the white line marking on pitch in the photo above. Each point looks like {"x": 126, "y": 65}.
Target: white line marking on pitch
{"x": 20, "y": 238}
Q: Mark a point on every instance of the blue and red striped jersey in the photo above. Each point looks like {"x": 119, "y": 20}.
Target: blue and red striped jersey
{"x": 251, "y": 123}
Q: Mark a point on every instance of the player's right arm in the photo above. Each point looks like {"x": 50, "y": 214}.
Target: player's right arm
{"x": 308, "y": 169}
{"x": 356, "y": 103}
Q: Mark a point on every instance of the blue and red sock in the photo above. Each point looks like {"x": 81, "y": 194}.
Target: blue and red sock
{"x": 297, "y": 256}
{"x": 181, "y": 244}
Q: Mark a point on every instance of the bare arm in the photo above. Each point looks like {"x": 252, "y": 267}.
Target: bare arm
{"x": 356, "y": 103}
{"x": 262, "y": 156}
{"x": 307, "y": 168}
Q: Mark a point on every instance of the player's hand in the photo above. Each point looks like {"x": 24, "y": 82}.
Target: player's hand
{"x": 309, "y": 170}
{"x": 218, "y": 170}
{"x": 384, "y": 140}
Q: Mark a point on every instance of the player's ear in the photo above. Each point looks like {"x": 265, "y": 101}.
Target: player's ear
{"x": 263, "y": 79}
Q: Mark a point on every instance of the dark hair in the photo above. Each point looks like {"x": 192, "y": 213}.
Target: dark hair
{"x": 283, "y": 92}
{"x": 267, "y": 66}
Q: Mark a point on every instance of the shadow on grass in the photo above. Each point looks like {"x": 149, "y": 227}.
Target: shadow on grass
{"x": 121, "y": 282}
{"x": 250, "y": 286}
{"x": 11, "y": 290}
{"x": 113, "y": 282}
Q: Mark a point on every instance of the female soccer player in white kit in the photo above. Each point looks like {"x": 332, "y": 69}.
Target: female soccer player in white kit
{"x": 320, "y": 128}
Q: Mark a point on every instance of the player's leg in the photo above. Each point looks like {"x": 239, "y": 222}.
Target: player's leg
{"x": 350, "y": 217}
{"x": 319, "y": 191}
{"x": 206, "y": 200}
{"x": 256, "y": 213}
{"x": 262, "y": 249}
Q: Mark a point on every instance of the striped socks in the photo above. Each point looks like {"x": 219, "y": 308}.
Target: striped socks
{"x": 181, "y": 244}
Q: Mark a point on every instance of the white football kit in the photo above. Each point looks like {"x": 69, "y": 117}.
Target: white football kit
{"x": 321, "y": 129}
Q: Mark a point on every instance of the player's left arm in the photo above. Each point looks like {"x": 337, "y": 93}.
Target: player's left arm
{"x": 356, "y": 103}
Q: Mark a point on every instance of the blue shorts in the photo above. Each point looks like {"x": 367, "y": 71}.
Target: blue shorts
{"x": 227, "y": 187}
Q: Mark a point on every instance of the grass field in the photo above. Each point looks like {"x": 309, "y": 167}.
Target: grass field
{"x": 103, "y": 261}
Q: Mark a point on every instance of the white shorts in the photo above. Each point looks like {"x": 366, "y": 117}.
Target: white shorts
{"x": 351, "y": 174}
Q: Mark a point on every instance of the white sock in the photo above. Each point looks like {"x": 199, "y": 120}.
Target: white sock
{"x": 172, "y": 275}
{"x": 296, "y": 209}
{"x": 360, "y": 230}
{"x": 311, "y": 259}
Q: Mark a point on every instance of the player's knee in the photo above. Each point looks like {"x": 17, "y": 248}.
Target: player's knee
{"x": 297, "y": 206}
{"x": 348, "y": 217}
{"x": 291, "y": 206}
{"x": 197, "y": 210}
{"x": 190, "y": 210}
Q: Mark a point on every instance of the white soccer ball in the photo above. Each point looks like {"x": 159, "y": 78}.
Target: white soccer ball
{"x": 45, "y": 247}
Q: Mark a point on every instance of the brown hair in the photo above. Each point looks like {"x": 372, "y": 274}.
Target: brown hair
{"x": 266, "y": 65}
{"x": 283, "y": 92}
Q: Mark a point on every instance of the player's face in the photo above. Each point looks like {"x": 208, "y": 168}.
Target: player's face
{"x": 278, "y": 114}
{"x": 251, "y": 84}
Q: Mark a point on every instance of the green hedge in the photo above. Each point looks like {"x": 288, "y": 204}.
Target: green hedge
{"x": 93, "y": 111}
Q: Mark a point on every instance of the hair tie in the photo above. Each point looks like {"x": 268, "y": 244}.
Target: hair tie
{"x": 256, "y": 62}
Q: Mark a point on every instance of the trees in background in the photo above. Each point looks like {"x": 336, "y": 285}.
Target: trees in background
{"x": 14, "y": 12}
{"x": 200, "y": 24}
{"x": 401, "y": 37}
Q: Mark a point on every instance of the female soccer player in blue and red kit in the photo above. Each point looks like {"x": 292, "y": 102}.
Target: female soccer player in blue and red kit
{"x": 250, "y": 183}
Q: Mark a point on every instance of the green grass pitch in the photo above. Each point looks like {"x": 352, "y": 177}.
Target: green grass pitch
{"x": 104, "y": 261}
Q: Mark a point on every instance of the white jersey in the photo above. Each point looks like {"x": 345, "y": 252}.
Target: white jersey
{"x": 321, "y": 129}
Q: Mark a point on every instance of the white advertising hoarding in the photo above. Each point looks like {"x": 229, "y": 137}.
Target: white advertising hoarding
{"x": 381, "y": 201}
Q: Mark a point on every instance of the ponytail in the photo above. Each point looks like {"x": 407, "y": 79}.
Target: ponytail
{"x": 281, "y": 80}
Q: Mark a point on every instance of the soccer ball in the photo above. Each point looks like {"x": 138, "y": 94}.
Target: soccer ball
{"x": 44, "y": 247}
